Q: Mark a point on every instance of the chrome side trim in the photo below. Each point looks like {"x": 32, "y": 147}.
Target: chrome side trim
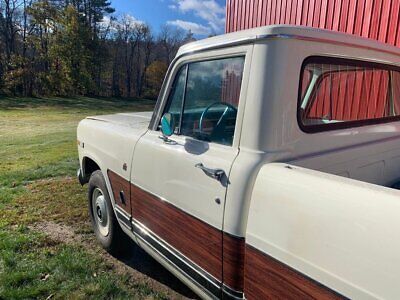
{"x": 231, "y": 293}
{"x": 198, "y": 276}
{"x": 123, "y": 217}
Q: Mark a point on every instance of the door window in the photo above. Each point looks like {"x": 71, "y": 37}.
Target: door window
{"x": 176, "y": 96}
{"x": 211, "y": 92}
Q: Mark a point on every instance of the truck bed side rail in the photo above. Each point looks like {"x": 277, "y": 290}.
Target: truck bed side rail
{"x": 341, "y": 233}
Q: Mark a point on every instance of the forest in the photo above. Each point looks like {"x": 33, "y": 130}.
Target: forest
{"x": 81, "y": 48}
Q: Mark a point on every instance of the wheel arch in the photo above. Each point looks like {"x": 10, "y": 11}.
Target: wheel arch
{"x": 89, "y": 165}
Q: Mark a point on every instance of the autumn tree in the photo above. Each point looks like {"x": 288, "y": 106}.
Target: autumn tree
{"x": 155, "y": 76}
{"x": 78, "y": 47}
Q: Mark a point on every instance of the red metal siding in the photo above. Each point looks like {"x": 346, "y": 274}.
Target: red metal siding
{"x": 377, "y": 19}
{"x": 351, "y": 96}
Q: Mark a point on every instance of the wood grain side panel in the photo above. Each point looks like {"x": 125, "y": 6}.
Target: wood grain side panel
{"x": 267, "y": 278}
{"x": 233, "y": 262}
{"x": 118, "y": 185}
{"x": 196, "y": 240}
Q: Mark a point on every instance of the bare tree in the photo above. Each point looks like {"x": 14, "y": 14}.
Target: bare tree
{"x": 143, "y": 42}
{"x": 126, "y": 29}
{"x": 148, "y": 46}
{"x": 9, "y": 26}
{"x": 171, "y": 38}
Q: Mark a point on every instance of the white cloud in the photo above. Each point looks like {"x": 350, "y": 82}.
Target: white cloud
{"x": 121, "y": 21}
{"x": 106, "y": 21}
{"x": 132, "y": 19}
{"x": 193, "y": 27}
{"x": 208, "y": 10}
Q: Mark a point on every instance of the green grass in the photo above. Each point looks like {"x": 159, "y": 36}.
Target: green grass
{"x": 37, "y": 183}
{"x": 32, "y": 266}
{"x": 38, "y": 137}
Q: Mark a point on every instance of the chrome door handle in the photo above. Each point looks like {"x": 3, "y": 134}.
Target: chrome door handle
{"x": 217, "y": 174}
{"x": 167, "y": 140}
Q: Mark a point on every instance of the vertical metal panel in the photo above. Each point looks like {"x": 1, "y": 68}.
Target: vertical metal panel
{"x": 261, "y": 15}
{"x": 376, "y": 19}
{"x": 323, "y": 14}
{"x": 385, "y": 19}
{"x": 228, "y": 15}
{"x": 267, "y": 17}
{"x": 252, "y": 22}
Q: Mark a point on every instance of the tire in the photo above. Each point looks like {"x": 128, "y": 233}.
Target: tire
{"x": 105, "y": 224}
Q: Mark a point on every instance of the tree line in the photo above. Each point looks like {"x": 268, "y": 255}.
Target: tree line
{"x": 79, "y": 47}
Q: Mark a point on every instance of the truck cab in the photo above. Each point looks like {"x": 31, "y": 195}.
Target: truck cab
{"x": 268, "y": 168}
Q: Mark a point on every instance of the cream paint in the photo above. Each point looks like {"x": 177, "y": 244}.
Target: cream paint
{"x": 270, "y": 130}
{"x": 110, "y": 141}
{"x": 168, "y": 170}
{"x": 339, "y": 231}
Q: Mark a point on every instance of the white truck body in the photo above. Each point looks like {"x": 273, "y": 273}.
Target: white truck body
{"x": 301, "y": 213}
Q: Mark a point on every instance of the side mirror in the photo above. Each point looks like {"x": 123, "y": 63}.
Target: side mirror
{"x": 168, "y": 125}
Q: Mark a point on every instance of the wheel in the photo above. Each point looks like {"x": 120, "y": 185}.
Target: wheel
{"x": 104, "y": 222}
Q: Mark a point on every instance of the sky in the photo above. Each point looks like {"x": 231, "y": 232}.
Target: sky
{"x": 202, "y": 17}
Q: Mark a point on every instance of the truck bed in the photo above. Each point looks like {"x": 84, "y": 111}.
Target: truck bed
{"x": 341, "y": 231}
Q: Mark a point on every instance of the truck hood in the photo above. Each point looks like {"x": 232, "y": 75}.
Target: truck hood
{"x": 132, "y": 120}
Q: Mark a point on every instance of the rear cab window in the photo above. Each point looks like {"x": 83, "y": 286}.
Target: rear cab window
{"x": 339, "y": 93}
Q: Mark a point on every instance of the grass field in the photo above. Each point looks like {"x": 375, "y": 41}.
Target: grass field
{"x": 38, "y": 191}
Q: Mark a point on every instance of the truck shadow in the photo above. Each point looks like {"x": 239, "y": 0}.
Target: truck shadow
{"x": 142, "y": 262}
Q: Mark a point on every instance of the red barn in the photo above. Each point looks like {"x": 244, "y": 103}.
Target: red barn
{"x": 376, "y": 19}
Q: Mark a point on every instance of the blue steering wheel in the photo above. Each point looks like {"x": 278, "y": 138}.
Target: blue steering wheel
{"x": 223, "y": 116}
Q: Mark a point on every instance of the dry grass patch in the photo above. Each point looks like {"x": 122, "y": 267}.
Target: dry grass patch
{"x": 56, "y": 199}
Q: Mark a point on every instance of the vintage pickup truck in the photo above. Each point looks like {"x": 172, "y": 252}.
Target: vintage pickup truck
{"x": 268, "y": 168}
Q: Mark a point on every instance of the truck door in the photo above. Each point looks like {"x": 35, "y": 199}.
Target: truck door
{"x": 179, "y": 183}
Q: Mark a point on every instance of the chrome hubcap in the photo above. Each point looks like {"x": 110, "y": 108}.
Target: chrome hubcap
{"x": 100, "y": 212}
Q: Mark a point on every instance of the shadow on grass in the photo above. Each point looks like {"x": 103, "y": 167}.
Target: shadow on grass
{"x": 7, "y": 103}
{"x": 142, "y": 262}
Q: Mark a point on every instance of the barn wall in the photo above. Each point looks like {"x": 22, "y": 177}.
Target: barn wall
{"x": 377, "y": 19}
